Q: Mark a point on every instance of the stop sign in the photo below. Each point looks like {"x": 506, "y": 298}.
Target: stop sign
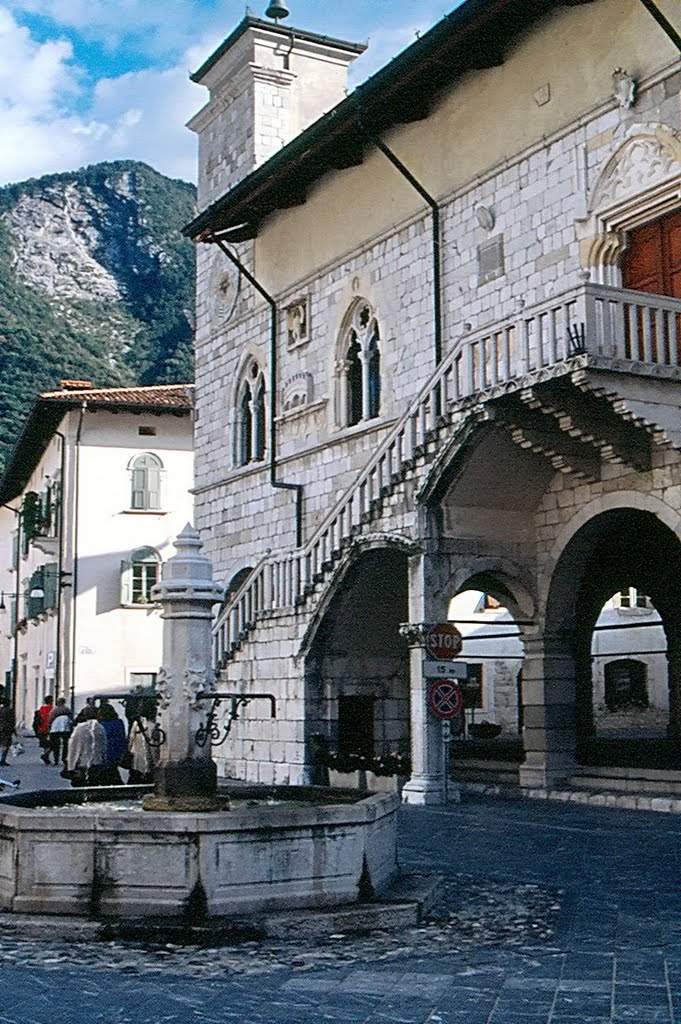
{"x": 443, "y": 641}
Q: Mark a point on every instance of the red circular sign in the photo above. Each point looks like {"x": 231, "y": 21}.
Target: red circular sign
{"x": 445, "y": 699}
{"x": 443, "y": 641}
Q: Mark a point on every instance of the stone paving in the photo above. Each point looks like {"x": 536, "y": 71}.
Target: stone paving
{"x": 550, "y": 914}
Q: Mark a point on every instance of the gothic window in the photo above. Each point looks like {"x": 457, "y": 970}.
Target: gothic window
{"x": 145, "y": 481}
{"x": 139, "y": 575}
{"x": 360, "y": 367}
{"x": 251, "y": 417}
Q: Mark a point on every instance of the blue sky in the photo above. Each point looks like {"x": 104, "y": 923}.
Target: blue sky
{"x": 89, "y": 80}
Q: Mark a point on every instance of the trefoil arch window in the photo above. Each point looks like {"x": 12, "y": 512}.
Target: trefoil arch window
{"x": 250, "y": 416}
{"x": 145, "y": 482}
{"x": 360, "y": 366}
{"x": 138, "y": 575}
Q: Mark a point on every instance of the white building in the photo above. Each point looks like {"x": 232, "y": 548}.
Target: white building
{"x": 99, "y": 481}
{"x": 437, "y": 351}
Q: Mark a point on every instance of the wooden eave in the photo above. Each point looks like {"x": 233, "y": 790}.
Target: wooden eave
{"x": 473, "y": 37}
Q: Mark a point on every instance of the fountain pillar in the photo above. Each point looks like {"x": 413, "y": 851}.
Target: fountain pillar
{"x": 186, "y": 777}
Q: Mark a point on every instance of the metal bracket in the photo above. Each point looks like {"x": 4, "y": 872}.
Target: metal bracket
{"x": 211, "y": 730}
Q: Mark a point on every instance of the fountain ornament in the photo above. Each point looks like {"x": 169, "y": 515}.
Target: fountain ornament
{"x": 92, "y": 852}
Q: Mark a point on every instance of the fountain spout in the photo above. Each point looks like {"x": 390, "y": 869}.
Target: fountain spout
{"x": 186, "y": 777}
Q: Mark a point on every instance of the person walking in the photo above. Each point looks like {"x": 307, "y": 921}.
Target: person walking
{"x": 116, "y": 743}
{"x": 41, "y": 726}
{"x": 61, "y": 724}
{"x": 87, "y": 750}
{"x": 7, "y": 728}
{"x": 143, "y": 756}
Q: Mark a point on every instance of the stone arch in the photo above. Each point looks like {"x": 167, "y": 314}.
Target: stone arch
{"x": 616, "y": 548}
{"x": 355, "y": 660}
{"x": 494, "y": 666}
{"x": 639, "y": 182}
{"x": 606, "y": 503}
{"x": 370, "y": 542}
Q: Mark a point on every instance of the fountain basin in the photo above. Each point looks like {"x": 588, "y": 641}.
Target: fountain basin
{"x": 121, "y": 861}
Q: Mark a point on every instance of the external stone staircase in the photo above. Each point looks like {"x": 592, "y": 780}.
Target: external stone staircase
{"x": 507, "y": 360}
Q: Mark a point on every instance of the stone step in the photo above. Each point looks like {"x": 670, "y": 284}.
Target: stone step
{"x": 628, "y": 780}
{"x": 477, "y": 770}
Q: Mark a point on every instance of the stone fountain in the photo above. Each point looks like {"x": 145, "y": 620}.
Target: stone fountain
{"x": 184, "y": 849}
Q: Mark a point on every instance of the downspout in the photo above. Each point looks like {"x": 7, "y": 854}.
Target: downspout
{"x": 298, "y": 488}
{"x": 60, "y": 565}
{"x": 74, "y": 555}
{"x": 435, "y": 209}
{"x": 666, "y": 26}
{"x": 17, "y": 594}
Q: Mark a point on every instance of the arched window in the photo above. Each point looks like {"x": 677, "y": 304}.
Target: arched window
{"x": 250, "y": 416}
{"x": 138, "y": 575}
{"x": 145, "y": 482}
{"x": 360, "y": 367}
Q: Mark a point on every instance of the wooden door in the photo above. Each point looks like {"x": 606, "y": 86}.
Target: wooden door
{"x": 652, "y": 261}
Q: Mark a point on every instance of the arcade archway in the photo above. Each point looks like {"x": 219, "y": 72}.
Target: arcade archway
{"x": 621, "y": 551}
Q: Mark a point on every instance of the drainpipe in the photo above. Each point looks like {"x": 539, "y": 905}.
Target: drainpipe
{"x": 74, "y": 555}
{"x": 17, "y": 594}
{"x": 60, "y": 566}
{"x": 666, "y": 26}
{"x": 435, "y": 209}
{"x": 298, "y": 488}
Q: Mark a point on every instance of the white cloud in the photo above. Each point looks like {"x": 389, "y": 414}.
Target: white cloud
{"x": 138, "y": 116}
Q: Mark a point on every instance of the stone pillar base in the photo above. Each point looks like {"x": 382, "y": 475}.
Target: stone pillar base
{"x": 547, "y": 771}
{"x": 424, "y": 792}
{"x": 189, "y": 785}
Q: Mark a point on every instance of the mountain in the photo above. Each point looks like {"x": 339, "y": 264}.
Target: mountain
{"x": 96, "y": 283}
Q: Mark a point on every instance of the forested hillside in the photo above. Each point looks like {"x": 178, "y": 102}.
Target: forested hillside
{"x": 96, "y": 283}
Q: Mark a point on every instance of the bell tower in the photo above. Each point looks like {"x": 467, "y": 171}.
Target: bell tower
{"x": 266, "y": 84}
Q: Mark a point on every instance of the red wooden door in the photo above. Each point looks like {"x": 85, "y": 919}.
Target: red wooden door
{"x": 652, "y": 261}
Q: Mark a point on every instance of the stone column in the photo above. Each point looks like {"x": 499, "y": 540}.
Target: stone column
{"x": 548, "y": 714}
{"x": 428, "y": 783}
{"x": 186, "y": 778}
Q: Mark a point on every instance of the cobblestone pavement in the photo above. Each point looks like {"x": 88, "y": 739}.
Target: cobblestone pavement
{"x": 550, "y": 914}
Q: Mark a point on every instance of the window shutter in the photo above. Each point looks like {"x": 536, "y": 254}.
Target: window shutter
{"x": 126, "y": 582}
{"x": 35, "y": 605}
{"x": 50, "y": 584}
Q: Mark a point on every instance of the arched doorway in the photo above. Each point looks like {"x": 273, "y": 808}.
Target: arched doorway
{"x": 620, "y": 552}
{"x": 493, "y": 651}
{"x": 357, "y": 669}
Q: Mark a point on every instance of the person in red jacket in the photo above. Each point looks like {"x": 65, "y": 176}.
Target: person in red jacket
{"x": 41, "y": 727}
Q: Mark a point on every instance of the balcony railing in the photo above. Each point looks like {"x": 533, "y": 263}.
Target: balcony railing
{"x": 592, "y": 320}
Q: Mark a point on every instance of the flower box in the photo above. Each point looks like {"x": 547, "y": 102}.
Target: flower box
{"x": 344, "y": 780}
{"x": 385, "y": 783}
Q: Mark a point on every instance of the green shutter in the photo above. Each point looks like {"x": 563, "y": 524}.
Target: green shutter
{"x": 126, "y": 582}
{"x": 51, "y": 585}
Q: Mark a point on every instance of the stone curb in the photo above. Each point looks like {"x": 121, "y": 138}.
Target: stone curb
{"x": 401, "y": 905}
{"x": 594, "y": 798}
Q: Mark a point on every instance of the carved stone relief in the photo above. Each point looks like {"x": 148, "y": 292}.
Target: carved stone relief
{"x": 297, "y": 392}
{"x": 225, "y": 289}
{"x": 641, "y": 163}
{"x": 298, "y": 323}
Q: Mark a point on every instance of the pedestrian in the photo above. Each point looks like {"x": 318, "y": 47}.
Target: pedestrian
{"x": 41, "y": 726}
{"x": 116, "y": 743}
{"x": 87, "y": 750}
{"x": 142, "y": 756}
{"x": 7, "y": 728}
{"x": 61, "y": 724}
